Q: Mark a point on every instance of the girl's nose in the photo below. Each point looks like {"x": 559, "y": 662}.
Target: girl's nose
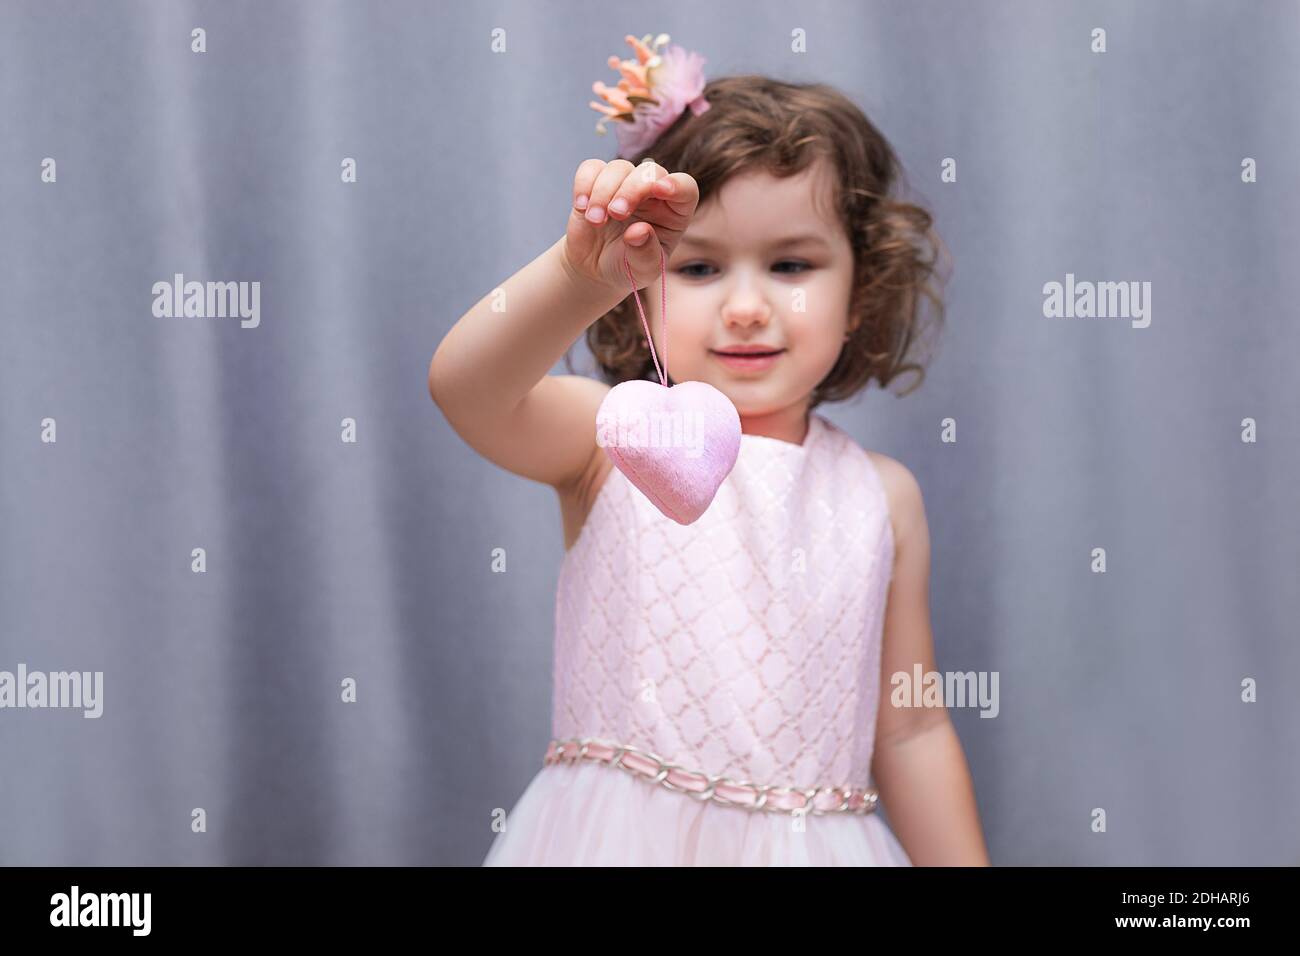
{"x": 745, "y": 309}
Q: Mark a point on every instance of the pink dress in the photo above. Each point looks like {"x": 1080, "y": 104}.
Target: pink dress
{"x": 746, "y": 645}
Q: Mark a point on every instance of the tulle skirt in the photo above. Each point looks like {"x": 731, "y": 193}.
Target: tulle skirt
{"x": 588, "y": 814}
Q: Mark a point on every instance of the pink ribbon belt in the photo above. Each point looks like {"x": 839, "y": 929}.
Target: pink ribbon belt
{"x": 703, "y": 786}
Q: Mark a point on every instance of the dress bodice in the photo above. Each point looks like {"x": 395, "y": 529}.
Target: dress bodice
{"x": 748, "y": 643}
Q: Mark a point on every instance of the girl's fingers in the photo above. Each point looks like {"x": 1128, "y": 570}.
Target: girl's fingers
{"x": 602, "y": 191}
{"x": 638, "y": 233}
{"x": 671, "y": 202}
{"x": 683, "y": 195}
{"x": 584, "y": 179}
{"x": 636, "y": 188}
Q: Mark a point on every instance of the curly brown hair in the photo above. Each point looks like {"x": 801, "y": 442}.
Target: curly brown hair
{"x": 757, "y": 122}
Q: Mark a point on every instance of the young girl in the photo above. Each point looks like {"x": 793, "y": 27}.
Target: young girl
{"x": 722, "y": 688}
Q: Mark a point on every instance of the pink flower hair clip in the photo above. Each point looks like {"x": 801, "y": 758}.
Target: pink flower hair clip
{"x": 655, "y": 89}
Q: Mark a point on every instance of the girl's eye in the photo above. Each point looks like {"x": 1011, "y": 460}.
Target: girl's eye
{"x": 686, "y": 269}
{"x": 799, "y": 267}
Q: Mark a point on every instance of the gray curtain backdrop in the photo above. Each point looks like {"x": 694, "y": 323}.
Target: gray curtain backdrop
{"x": 370, "y": 560}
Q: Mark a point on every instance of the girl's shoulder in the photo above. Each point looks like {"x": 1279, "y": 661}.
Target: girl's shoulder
{"x": 901, "y": 489}
{"x": 902, "y": 494}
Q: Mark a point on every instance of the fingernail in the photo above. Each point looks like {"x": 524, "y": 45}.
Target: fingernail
{"x": 581, "y": 202}
{"x": 618, "y": 205}
{"x": 595, "y": 214}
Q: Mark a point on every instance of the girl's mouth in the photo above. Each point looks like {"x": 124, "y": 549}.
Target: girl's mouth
{"x": 749, "y": 361}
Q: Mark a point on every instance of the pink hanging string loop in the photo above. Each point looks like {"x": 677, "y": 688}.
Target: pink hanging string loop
{"x": 663, "y": 279}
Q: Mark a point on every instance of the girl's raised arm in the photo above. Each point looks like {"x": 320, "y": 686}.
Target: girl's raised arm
{"x": 489, "y": 373}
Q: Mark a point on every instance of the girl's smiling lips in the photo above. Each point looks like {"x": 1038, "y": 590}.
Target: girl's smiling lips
{"x": 747, "y": 358}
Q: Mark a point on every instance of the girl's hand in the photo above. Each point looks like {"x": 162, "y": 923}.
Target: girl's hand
{"x": 638, "y": 211}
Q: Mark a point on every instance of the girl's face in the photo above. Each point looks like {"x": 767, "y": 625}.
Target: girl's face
{"x": 764, "y": 263}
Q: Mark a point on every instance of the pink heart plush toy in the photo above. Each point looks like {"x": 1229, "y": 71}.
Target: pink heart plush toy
{"x": 677, "y": 443}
